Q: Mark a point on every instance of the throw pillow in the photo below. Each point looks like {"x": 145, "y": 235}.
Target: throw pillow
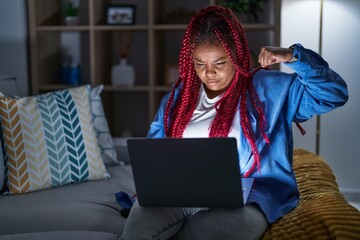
{"x": 49, "y": 140}
{"x": 102, "y": 131}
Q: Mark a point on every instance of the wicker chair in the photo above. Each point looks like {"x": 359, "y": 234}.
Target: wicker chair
{"x": 322, "y": 212}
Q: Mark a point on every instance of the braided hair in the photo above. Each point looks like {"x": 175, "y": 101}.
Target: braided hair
{"x": 219, "y": 26}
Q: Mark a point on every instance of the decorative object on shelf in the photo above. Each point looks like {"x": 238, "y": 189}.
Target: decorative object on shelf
{"x": 70, "y": 70}
{"x": 171, "y": 74}
{"x": 123, "y": 74}
{"x": 72, "y": 12}
{"x": 245, "y": 7}
{"x": 71, "y": 74}
{"x": 74, "y": 73}
{"x": 120, "y": 14}
{"x": 178, "y": 16}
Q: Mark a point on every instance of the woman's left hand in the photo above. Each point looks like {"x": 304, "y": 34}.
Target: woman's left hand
{"x": 270, "y": 55}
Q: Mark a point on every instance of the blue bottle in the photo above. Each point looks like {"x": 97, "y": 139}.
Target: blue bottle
{"x": 74, "y": 74}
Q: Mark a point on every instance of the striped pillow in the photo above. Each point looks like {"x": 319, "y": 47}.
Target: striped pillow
{"x": 49, "y": 140}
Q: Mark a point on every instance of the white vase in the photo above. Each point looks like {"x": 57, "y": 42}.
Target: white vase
{"x": 72, "y": 20}
{"x": 123, "y": 74}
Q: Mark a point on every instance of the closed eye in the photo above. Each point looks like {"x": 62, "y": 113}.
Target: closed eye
{"x": 220, "y": 61}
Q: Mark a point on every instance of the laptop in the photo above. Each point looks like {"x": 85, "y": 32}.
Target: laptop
{"x": 187, "y": 172}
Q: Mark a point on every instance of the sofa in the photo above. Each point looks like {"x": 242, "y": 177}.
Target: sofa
{"x": 59, "y": 167}
{"x": 38, "y": 202}
{"x": 322, "y": 212}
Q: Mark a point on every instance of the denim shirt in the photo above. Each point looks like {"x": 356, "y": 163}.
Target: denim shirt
{"x": 313, "y": 88}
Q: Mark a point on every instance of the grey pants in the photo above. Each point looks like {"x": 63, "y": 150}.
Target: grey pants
{"x": 194, "y": 223}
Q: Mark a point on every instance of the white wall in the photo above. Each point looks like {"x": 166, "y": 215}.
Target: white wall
{"x": 339, "y": 133}
{"x": 300, "y": 24}
{"x": 13, "y": 43}
{"x": 340, "y": 130}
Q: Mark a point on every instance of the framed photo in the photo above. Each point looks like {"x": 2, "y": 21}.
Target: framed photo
{"x": 120, "y": 14}
{"x": 171, "y": 74}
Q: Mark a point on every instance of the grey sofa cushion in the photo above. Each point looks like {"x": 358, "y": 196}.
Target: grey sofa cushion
{"x": 61, "y": 235}
{"x": 83, "y": 206}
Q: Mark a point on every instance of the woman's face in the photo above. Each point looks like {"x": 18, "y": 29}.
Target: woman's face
{"x": 214, "y": 68}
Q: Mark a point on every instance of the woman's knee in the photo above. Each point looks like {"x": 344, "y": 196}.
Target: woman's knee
{"x": 244, "y": 223}
{"x": 161, "y": 223}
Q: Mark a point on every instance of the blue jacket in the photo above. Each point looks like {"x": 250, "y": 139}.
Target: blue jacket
{"x": 313, "y": 89}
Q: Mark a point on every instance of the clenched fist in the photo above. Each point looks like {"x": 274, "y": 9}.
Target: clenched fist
{"x": 270, "y": 55}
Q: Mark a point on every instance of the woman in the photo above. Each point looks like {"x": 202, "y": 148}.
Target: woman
{"x": 219, "y": 95}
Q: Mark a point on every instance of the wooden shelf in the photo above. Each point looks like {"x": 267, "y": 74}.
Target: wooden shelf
{"x": 154, "y": 46}
{"x": 63, "y": 28}
{"x": 120, "y": 28}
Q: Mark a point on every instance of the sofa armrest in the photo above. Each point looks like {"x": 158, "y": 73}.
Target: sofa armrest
{"x": 322, "y": 212}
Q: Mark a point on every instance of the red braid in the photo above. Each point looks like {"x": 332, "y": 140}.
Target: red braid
{"x": 216, "y": 25}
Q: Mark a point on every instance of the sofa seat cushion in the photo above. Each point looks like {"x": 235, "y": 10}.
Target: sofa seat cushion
{"x": 84, "y": 206}
{"x": 61, "y": 235}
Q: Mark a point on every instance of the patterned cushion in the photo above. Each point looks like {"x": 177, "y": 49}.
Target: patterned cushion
{"x": 102, "y": 131}
{"x": 49, "y": 140}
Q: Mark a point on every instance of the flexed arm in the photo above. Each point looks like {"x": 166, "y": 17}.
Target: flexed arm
{"x": 270, "y": 55}
{"x": 317, "y": 88}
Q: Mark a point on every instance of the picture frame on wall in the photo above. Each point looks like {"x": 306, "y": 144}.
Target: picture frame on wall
{"x": 120, "y": 14}
{"x": 171, "y": 74}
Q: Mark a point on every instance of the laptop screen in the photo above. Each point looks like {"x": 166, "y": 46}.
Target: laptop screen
{"x": 187, "y": 172}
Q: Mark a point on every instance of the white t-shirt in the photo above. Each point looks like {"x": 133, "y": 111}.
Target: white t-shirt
{"x": 203, "y": 116}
